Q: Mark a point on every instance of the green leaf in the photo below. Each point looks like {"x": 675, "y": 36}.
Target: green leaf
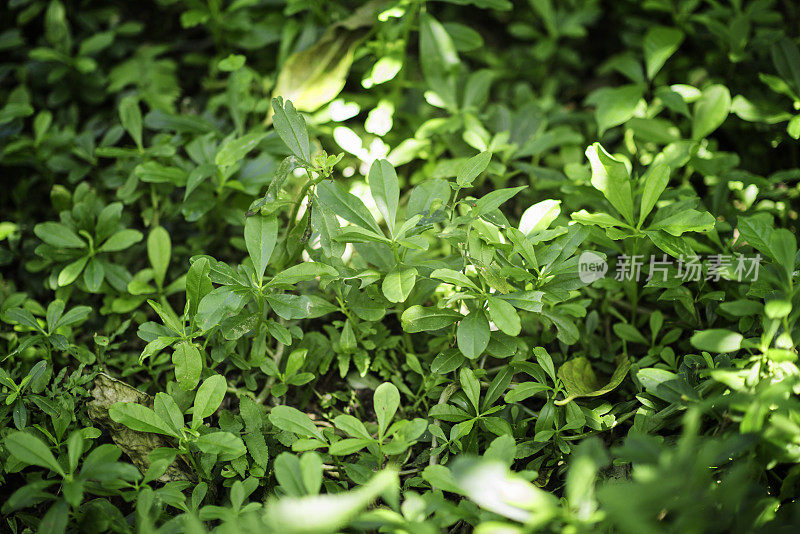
{"x": 74, "y": 315}
{"x": 140, "y": 418}
{"x": 234, "y": 150}
{"x": 492, "y": 486}
{"x": 603, "y": 220}
{"x": 423, "y": 319}
{"x": 346, "y": 205}
{"x": 428, "y": 195}
{"x": 347, "y": 446}
{"x": 655, "y": 130}
{"x": 665, "y": 384}
{"x": 786, "y": 57}
{"x": 23, "y": 317}
{"x": 659, "y": 44}
{"x": 656, "y": 321}
{"x": 467, "y": 39}
{"x": 168, "y": 316}
{"x": 289, "y": 474}
{"x": 290, "y": 307}
{"x": 711, "y": 110}
{"x": 587, "y": 460}
{"x": 231, "y": 63}
{"x": 224, "y": 444}
{"x": 291, "y": 128}
{"x": 14, "y": 110}
{"x": 333, "y": 511}
{"x": 438, "y": 59}
{"x": 472, "y": 168}
{"x": 314, "y": 76}
{"x": 685, "y": 221}
{"x": 93, "y": 275}
{"x": 197, "y": 176}
{"x": 672, "y": 245}
{"x": 131, "y": 118}
{"x": 456, "y": 278}
{"x": 385, "y": 190}
{"x": 524, "y": 390}
{"x": 32, "y": 451}
{"x": 757, "y": 232}
{"x": 57, "y": 517}
{"x": 238, "y": 325}
{"x": 580, "y": 380}
{"x": 356, "y": 234}
{"x": 198, "y": 284}
{"x": 447, "y": 361}
{"x": 398, "y": 284}
{"x": 168, "y": 410}
{"x": 611, "y": 177}
{"x": 777, "y": 309}
{"x": 41, "y": 124}
{"x": 504, "y": 316}
{"x": 471, "y": 387}
{"x": 121, "y": 240}
{"x": 793, "y": 128}
{"x": 498, "y": 386}
{"x": 58, "y": 235}
{"x": 654, "y": 182}
{"x": 780, "y": 355}
{"x": 440, "y": 477}
{"x": 347, "y": 339}
{"x": 544, "y": 359}
{"x": 615, "y": 105}
{"x": 156, "y": 173}
{"x": 75, "y": 445}
{"x": 293, "y": 420}
{"x": 525, "y": 300}
{"x": 209, "y": 397}
{"x": 385, "y": 401}
{"x": 159, "y": 248}
{"x": 260, "y": 237}
{"x": 717, "y": 340}
{"x": 783, "y": 247}
{"x": 71, "y": 272}
{"x": 494, "y": 200}
{"x": 538, "y": 217}
{"x": 303, "y": 272}
{"x": 326, "y": 224}
{"x": 352, "y": 426}
{"x": 741, "y": 307}
{"x": 628, "y": 332}
{"x": 188, "y": 364}
{"x": 473, "y": 334}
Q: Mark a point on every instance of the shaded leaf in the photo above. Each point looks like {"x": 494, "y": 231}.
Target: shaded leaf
{"x": 580, "y": 380}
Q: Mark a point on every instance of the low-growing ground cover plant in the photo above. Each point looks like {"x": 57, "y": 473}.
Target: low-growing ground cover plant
{"x": 399, "y": 266}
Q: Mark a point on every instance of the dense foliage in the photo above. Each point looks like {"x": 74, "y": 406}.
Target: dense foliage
{"x": 305, "y": 266}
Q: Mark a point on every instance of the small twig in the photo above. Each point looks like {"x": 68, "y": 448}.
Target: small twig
{"x": 264, "y": 393}
{"x": 240, "y": 391}
{"x": 405, "y": 472}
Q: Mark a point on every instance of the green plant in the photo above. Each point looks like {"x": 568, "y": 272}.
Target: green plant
{"x": 399, "y": 266}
